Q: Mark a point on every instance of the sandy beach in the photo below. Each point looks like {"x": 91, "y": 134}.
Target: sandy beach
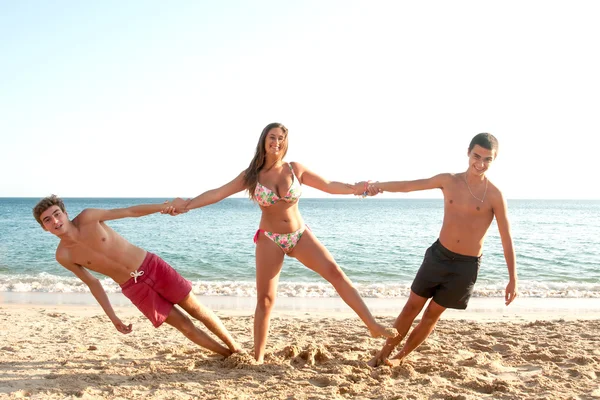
{"x": 50, "y": 351}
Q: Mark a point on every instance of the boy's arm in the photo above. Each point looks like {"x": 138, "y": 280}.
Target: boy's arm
{"x": 435, "y": 182}
{"x": 98, "y": 214}
{"x": 500, "y": 212}
{"x": 216, "y": 195}
{"x": 96, "y": 289}
{"x": 309, "y": 178}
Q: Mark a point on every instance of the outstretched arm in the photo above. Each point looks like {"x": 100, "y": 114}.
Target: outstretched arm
{"x": 216, "y": 195}
{"x": 500, "y": 212}
{"x": 309, "y": 178}
{"x": 97, "y": 291}
{"x": 435, "y": 182}
{"x": 97, "y": 214}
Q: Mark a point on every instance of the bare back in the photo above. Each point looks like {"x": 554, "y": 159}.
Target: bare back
{"x": 466, "y": 219}
{"x": 101, "y": 249}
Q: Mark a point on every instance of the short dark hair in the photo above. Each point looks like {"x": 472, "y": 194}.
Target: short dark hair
{"x": 45, "y": 204}
{"x": 485, "y": 140}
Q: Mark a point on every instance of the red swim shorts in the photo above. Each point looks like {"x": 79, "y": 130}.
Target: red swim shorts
{"x": 156, "y": 288}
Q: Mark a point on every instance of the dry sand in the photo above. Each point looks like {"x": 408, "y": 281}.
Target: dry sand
{"x": 57, "y": 352}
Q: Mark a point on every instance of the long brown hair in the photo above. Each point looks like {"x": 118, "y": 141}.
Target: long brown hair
{"x": 251, "y": 173}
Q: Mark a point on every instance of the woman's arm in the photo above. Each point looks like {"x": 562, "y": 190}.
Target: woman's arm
{"x": 216, "y": 195}
{"x": 309, "y": 178}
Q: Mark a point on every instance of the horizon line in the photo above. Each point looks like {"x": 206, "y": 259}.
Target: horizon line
{"x": 321, "y": 198}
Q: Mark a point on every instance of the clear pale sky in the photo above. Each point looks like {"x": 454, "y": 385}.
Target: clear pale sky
{"x": 154, "y": 98}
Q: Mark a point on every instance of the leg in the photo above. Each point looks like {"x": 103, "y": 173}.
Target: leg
{"x": 269, "y": 260}
{"x": 182, "y": 323}
{"x": 310, "y": 252}
{"x": 411, "y": 309}
{"x": 421, "y": 332}
{"x": 193, "y": 307}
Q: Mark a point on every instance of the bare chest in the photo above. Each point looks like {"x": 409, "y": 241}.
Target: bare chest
{"x": 461, "y": 204}
{"x": 96, "y": 242}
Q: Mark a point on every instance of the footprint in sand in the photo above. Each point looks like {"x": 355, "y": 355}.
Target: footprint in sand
{"x": 289, "y": 352}
{"x": 320, "y": 381}
{"x": 452, "y": 374}
{"x": 428, "y": 368}
{"x": 539, "y": 356}
{"x": 404, "y": 370}
{"x": 526, "y": 371}
{"x": 481, "y": 386}
{"x": 481, "y": 346}
{"x": 583, "y": 360}
{"x": 239, "y": 361}
{"x": 314, "y": 354}
{"x": 502, "y": 348}
{"x": 559, "y": 351}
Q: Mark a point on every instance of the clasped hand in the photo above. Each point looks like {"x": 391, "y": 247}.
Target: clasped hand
{"x": 175, "y": 207}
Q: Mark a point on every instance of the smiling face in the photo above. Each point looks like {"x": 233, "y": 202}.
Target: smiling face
{"x": 55, "y": 220}
{"x": 480, "y": 160}
{"x": 276, "y": 142}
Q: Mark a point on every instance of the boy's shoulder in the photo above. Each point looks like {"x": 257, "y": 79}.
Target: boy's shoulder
{"x": 88, "y": 215}
{"x": 449, "y": 177}
{"x": 493, "y": 189}
{"x": 495, "y": 195}
{"x": 63, "y": 255}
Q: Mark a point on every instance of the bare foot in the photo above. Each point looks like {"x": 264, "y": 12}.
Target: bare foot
{"x": 376, "y": 361}
{"x": 239, "y": 350}
{"x": 394, "y": 362}
{"x": 259, "y": 360}
{"x": 381, "y": 331}
{"x": 382, "y": 355}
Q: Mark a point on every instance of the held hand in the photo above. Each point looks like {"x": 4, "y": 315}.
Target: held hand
{"x": 360, "y": 188}
{"x": 121, "y": 327}
{"x": 175, "y": 207}
{"x": 179, "y": 205}
{"x": 511, "y": 292}
{"x": 373, "y": 189}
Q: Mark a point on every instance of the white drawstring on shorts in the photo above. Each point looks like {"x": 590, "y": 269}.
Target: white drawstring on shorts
{"x": 136, "y": 274}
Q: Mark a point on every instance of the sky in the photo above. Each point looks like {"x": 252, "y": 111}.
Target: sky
{"x": 164, "y": 99}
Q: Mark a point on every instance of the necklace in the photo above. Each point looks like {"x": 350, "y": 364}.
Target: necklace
{"x": 484, "y": 192}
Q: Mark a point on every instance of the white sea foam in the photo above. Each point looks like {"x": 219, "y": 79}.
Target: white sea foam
{"x": 48, "y": 283}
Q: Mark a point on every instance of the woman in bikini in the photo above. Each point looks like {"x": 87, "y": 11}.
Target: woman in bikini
{"x": 276, "y": 186}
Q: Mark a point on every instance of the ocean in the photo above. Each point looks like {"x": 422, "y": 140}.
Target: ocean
{"x": 378, "y": 242}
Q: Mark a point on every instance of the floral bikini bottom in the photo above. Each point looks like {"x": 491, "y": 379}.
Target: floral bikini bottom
{"x": 286, "y": 241}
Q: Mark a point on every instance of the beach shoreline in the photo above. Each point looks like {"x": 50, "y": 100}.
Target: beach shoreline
{"x": 479, "y": 309}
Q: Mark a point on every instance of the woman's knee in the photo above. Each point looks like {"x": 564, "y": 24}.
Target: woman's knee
{"x": 265, "y": 302}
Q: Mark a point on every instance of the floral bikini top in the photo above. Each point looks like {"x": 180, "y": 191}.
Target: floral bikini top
{"x": 266, "y": 197}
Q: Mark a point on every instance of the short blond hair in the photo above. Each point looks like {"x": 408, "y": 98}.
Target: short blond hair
{"x": 45, "y": 204}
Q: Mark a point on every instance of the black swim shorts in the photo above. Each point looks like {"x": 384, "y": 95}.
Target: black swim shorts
{"x": 446, "y": 276}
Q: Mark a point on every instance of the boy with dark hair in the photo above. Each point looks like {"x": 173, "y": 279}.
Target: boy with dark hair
{"x": 86, "y": 242}
{"x": 451, "y": 264}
